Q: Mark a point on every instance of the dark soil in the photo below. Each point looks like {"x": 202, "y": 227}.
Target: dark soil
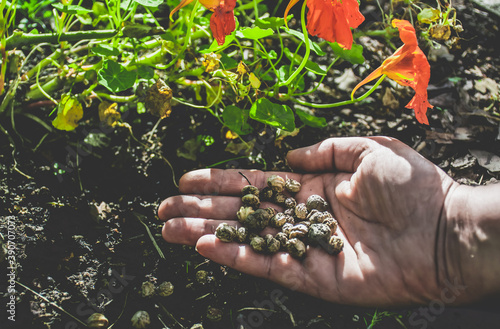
{"x": 85, "y": 224}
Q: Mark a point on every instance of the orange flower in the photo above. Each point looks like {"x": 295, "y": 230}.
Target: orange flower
{"x": 332, "y": 19}
{"x": 408, "y": 66}
{"x": 222, "y": 21}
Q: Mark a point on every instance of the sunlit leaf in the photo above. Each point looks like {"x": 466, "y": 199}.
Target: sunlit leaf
{"x": 254, "y": 33}
{"x": 284, "y": 74}
{"x": 353, "y": 55}
{"x": 69, "y": 112}
{"x": 71, "y": 9}
{"x": 311, "y": 120}
{"x": 254, "y": 81}
{"x": 280, "y": 116}
{"x": 272, "y": 22}
{"x": 314, "y": 46}
{"x": 115, "y": 77}
{"x": 149, "y": 3}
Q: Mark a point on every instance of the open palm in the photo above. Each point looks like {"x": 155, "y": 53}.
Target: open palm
{"x": 386, "y": 198}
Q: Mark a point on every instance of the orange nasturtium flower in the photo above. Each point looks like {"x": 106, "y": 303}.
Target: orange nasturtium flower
{"x": 408, "y": 66}
{"x": 332, "y": 20}
{"x": 222, "y": 21}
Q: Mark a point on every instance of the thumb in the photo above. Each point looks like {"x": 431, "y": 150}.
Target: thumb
{"x": 340, "y": 154}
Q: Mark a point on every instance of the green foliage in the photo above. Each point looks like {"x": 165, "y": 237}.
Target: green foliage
{"x": 276, "y": 115}
{"x": 115, "y": 77}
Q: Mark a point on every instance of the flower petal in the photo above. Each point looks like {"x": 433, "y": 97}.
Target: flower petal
{"x": 290, "y": 5}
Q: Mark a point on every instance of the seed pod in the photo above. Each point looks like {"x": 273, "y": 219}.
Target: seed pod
{"x": 299, "y": 231}
{"x": 283, "y": 239}
{"x": 271, "y": 211}
{"x": 277, "y": 220}
{"x": 319, "y": 235}
{"x": 214, "y": 314}
{"x": 276, "y": 183}
{"x": 243, "y": 213}
{"x": 279, "y": 199}
{"x": 147, "y": 289}
{"x": 250, "y": 189}
{"x": 332, "y": 223}
{"x": 290, "y": 212}
{"x": 241, "y": 234}
{"x": 225, "y": 232}
{"x": 202, "y": 277}
{"x": 316, "y": 216}
{"x": 97, "y": 320}
{"x": 140, "y": 320}
{"x": 292, "y": 186}
{"x": 258, "y": 244}
{"x": 316, "y": 202}
{"x": 290, "y": 219}
{"x": 301, "y": 211}
{"x": 257, "y": 220}
{"x": 251, "y": 200}
{"x": 272, "y": 244}
{"x": 296, "y": 248}
{"x": 266, "y": 194}
{"x": 165, "y": 289}
{"x": 290, "y": 203}
{"x": 287, "y": 228}
{"x": 336, "y": 244}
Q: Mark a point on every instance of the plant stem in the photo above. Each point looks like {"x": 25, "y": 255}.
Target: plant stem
{"x": 20, "y": 38}
{"x": 308, "y": 46}
{"x": 352, "y": 101}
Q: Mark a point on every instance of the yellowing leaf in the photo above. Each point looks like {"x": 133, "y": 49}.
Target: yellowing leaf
{"x": 158, "y": 99}
{"x": 254, "y": 81}
{"x": 69, "y": 112}
{"x": 242, "y": 68}
{"x": 211, "y": 62}
{"x": 231, "y": 134}
{"x": 108, "y": 113}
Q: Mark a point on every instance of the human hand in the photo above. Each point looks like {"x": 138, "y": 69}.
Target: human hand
{"x": 387, "y": 199}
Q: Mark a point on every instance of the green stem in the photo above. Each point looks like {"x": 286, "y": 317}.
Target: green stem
{"x": 20, "y": 38}
{"x": 308, "y": 46}
{"x": 116, "y": 98}
{"x": 319, "y": 82}
{"x": 352, "y": 101}
{"x": 187, "y": 40}
{"x": 44, "y": 62}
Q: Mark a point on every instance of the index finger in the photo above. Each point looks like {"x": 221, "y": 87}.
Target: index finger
{"x": 225, "y": 181}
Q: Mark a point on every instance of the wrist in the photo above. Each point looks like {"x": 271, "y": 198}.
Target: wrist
{"x": 470, "y": 243}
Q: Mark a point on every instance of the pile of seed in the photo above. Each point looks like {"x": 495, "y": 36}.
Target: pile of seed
{"x": 301, "y": 224}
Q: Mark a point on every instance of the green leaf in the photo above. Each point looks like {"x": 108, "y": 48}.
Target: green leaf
{"x": 105, "y": 50}
{"x": 280, "y": 116}
{"x": 228, "y": 62}
{"x": 271, "y": 22}
{"x": 310, "y": 65}
{"x": 314, "y": 46}
{"x": 214, "y": 47}
{"x": 149, "y": 3}
{"x": 311, "y": 120}
{"x": 272, "y": 55}
{"x": 353, "y": 55}
{"x": 115, "y": 77}
{"x": 254, "y": 33}
{"x": 71, "y": 9}
{"x": 146, "y": 72}
{"x": 236, "y": 120}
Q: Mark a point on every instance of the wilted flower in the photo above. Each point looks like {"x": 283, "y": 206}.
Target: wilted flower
{"x": 222, "y": 21}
